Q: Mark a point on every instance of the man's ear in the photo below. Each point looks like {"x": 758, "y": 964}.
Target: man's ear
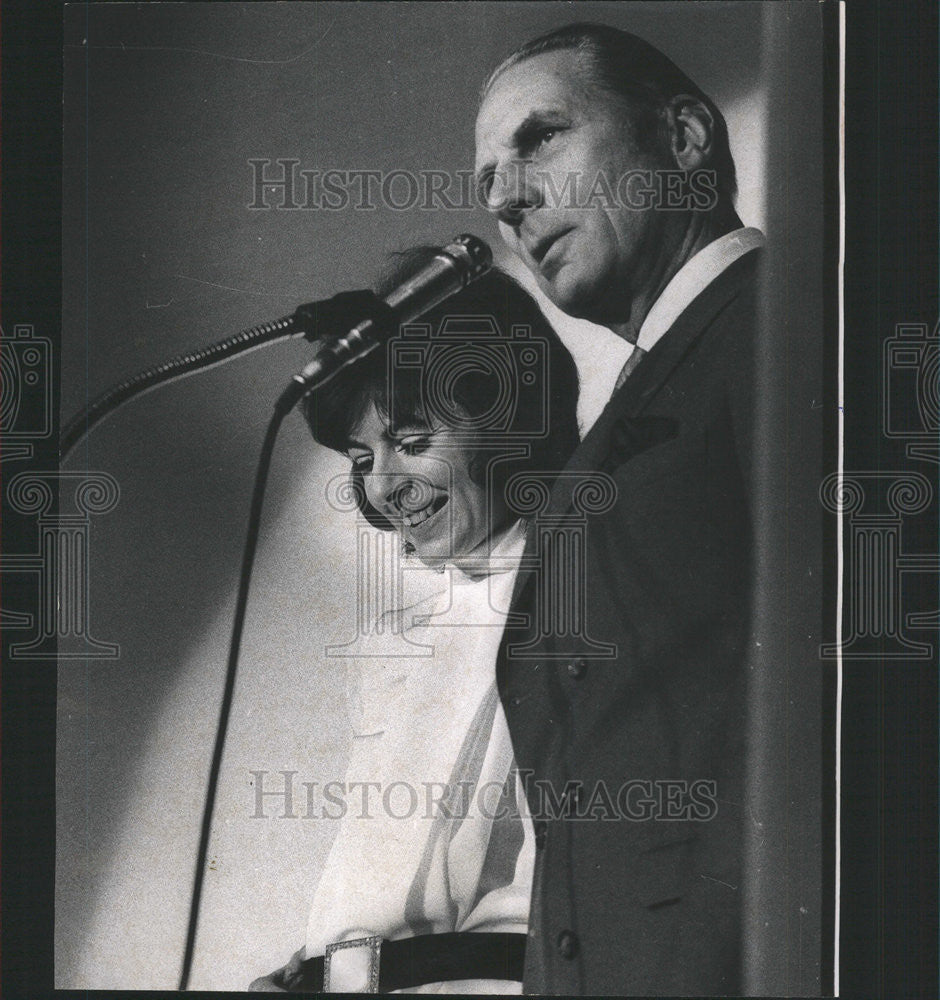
{"x": 691, "y": 129}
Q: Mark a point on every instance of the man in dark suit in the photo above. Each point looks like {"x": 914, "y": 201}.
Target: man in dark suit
{"x": 611, "y": 177}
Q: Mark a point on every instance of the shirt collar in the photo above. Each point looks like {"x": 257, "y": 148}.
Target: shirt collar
{"x": 693, "y": 278}
{"x": 504, "y": 554}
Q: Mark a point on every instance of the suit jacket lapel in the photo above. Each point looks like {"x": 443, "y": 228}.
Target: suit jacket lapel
{"x": 653, "y": 370}
{"x": 639, "y": 389}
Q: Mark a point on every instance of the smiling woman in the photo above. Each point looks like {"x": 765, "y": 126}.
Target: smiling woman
{"x": 432, "y": 863}
{"x": 481, "y": 388}
{"x": 412, "y": 474}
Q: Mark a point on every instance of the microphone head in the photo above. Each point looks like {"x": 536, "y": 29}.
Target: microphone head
{"x": 473, "y": 253}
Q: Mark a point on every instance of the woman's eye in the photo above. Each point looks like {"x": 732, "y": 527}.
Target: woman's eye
{"x": 415, "y": 445}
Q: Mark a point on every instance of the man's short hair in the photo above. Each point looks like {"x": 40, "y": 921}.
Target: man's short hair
{"x": 638, "y": 73}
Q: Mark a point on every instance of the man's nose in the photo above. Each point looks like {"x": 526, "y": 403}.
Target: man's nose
{"x": 512, "y": 193}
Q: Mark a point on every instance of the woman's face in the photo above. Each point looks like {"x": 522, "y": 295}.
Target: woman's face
{"x": 420, "y": 478}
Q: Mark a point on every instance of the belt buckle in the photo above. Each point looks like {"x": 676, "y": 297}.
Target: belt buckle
{"x": 348, "y": 971}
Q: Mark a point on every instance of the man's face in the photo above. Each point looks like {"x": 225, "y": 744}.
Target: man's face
{"x": 541, "y": 125}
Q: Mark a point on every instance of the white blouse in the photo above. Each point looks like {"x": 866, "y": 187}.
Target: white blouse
{"x": 435, "y": 836}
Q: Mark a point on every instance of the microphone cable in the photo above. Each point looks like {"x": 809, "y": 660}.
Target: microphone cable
{"x": 284, "y": 405}
{"x": 238, "y": 624}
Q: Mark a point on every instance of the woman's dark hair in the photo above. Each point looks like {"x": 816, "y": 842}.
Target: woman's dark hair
{"x": 638, "y": 73}
{"x": 459, "y": 375}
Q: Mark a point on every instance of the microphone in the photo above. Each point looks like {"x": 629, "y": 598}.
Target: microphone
{"x": 452, "y": 268}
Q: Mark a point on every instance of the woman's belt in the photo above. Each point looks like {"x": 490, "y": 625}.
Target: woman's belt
{"x": 384, "y": 966}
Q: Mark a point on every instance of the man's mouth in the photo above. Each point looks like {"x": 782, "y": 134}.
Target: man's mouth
{"x": 540, "y": 249}
{"x": 412, "y": 519}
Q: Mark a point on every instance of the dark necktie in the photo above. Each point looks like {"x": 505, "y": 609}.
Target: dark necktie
{"x": 627, "y": 370}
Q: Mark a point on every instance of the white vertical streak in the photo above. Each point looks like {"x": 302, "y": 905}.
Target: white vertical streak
{"x": 839, "y": 525}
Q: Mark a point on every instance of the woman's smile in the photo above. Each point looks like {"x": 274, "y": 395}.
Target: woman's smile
{"x": 412, "y": 474}
{"x": 415, "y": 518}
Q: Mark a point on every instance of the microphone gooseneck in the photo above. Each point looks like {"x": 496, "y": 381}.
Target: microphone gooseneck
{"x": 452, "y": 268}
{"x": 181, "y": 366}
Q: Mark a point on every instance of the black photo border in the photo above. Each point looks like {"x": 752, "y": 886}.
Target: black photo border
{"x": 889, "y": 759}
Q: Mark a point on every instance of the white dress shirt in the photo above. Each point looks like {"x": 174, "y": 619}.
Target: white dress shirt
{"x": 695, "y": 275}
{"x": 692, "y": 279}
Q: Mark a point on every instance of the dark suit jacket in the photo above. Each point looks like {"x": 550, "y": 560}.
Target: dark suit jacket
{"x": 638, "y": 878}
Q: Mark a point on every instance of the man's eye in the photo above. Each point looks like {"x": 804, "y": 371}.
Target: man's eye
{"x": 485, "y": 185}
{"x": 362, "y": 463}
{"x": 537, "y": 138}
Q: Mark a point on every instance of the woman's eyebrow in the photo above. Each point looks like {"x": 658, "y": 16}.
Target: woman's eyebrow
{"x": 415, "y": 426}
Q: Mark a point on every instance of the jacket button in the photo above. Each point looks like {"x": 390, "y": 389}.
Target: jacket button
{"x": 568, "y": 944}
{"x": 577, "y": 669}
{"x": 515, "y": 702}
{"x": 541, "y": 832}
